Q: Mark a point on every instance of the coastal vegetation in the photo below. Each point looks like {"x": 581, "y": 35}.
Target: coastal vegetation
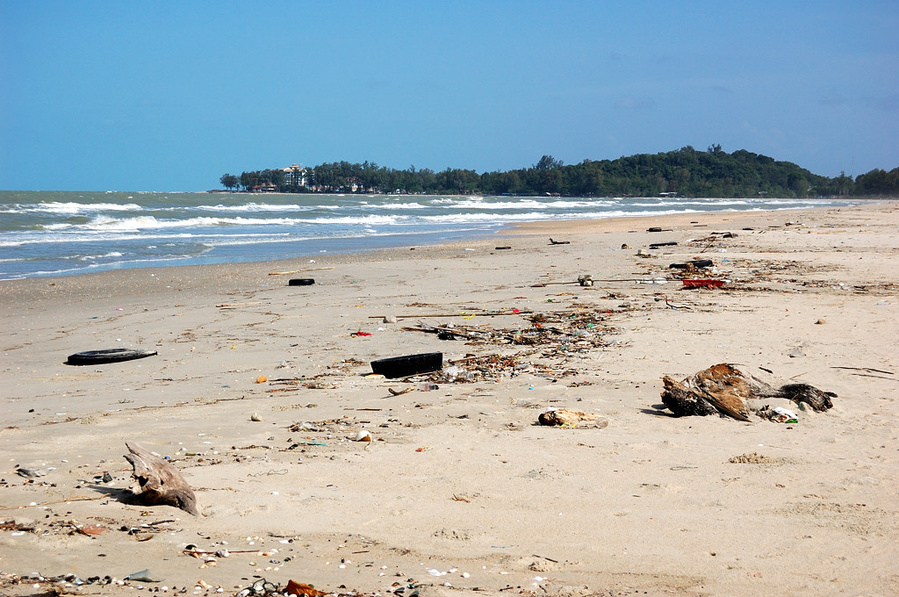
{"x": 685, "y": 172}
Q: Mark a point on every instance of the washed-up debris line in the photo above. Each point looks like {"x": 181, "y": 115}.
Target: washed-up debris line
{"x": 713, "y": 241}
{"x": 74, "y": 527}
{"x": 320, "y": 433}
{"x": 292, "y": 384}
{"x": 322, "y": 381}
{"x": 265, "y": 588}
{"x": 340, "y": 425}
{"x": 572, "y": 331}
{"x": 555, "y": 336}
{"x": 756, "y": 274}
{"x": 493, "y": 367}
{"x": 489, "y": 367}
{"x": 54, "y": 585}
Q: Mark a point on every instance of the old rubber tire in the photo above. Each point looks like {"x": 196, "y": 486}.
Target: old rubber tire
{"x": 301, "y": 282}
{"x": 696, "y": 264}
{"x": 109, "y": 355}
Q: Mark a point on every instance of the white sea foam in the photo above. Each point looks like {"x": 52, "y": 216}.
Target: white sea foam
{"x": 395, "y": 206}
{"x": 70, "y": 208}
{"x": 107, "y": 223}
{"x": 256, "y": 207}
{"x": 110, "y": 255}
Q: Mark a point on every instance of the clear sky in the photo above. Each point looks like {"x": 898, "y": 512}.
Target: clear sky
{"x": 170, "y": 95}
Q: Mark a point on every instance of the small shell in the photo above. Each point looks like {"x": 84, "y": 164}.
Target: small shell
{"x": 255, "y": 417}
{"x": 362, "y": 436}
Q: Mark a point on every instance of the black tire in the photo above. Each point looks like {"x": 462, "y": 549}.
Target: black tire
{"x": 301, "y": 282}
{"x": 697, "y": 264}
{"x": 408, "y": 365}
{"x": 109, "y": 355}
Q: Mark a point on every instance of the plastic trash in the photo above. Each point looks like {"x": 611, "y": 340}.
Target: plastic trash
{"x": 783, "y": 415}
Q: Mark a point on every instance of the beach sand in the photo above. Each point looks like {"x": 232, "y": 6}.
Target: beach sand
{"x": 461, "y": 492}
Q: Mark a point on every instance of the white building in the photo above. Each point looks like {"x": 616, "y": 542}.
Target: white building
{"x": 294, "y": 175}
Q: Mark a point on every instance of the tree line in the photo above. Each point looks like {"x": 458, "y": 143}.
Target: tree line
{"x": 685, "y": 172}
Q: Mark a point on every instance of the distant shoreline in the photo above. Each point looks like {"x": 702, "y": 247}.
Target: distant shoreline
{"x": 69, "y": 233}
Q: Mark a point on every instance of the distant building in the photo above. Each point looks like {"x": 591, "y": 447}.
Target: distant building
{"x": 294, "y": 176}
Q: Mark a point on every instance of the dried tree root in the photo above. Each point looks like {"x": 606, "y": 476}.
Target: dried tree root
{"x": 685, "y": 402}
{"x": 160, "y": 483}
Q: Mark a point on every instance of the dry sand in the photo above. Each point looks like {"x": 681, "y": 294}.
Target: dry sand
{"x": 461, "y": 491}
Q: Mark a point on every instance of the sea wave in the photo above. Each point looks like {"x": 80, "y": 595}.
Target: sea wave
{"x": 110, "y": 255}
{"x": 393, "y": 206}
{"x": 526, "y": 203}
{"x": 109, "y": 223}
{"x": 67, "y": 208}
{"x": 500, "y": 219}
{"x": 259, "y": 207}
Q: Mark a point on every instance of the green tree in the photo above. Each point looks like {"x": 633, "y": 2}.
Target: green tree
{"x": 686, "y": 172}
{"x": 229, "y": 181}
{"x": 548, "y": 162}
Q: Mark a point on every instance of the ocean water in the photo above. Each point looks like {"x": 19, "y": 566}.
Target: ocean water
{"x": 69, "y": 233}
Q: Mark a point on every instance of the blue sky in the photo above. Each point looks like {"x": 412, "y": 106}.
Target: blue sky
{"x": 169, "y": 96}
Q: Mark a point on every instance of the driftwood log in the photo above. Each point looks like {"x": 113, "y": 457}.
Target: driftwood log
{"x": 563, "y": 417}
{"x": 802, "y": 392}
{"x": 160, "y": 483}
{"x": 724, "y": 389}
{"x": 683, "y": 401}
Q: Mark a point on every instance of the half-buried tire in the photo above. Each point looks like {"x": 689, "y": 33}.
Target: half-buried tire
{"x": 695, "y": 264}
{"x": 301, "y": 282}
{"x": 109, "y": 355}
{"x": 408, "y": 365}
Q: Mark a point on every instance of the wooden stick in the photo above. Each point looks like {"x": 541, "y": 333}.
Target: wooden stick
{"x": 60, "y": 501}
{"x": 238, "y": 304}
{"x": 869, "y": 369}
{"x": 540, "y": 284}
{"x": 874, "y": 376}
{"x": 395, "y": 393}
{"x": 203, "y": 552}
{"x": 524, "y": 312}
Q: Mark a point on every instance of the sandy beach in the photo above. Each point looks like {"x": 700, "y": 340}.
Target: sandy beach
{"x": 260, "y": 389}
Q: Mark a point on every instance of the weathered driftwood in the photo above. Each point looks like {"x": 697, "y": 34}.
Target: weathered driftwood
{"x": 160, "y": 483}
{"x": 801, "y": 392}
{"x": 725, "y": 389}
{"x": 563, "y": 417}
{"x": 683, "y": 401}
